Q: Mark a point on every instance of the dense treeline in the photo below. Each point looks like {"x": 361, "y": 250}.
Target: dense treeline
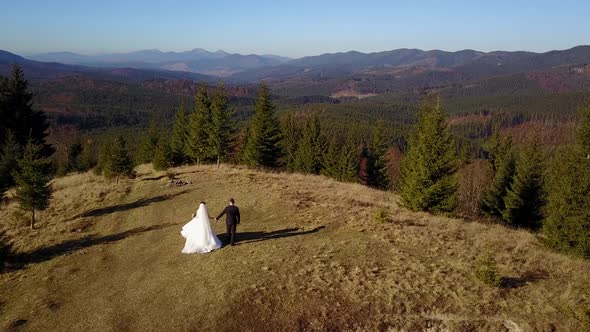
{"x": 415, "y": 151}
{"x": 24, "y": 152}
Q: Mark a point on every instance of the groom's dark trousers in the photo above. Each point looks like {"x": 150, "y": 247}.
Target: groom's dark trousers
{"x": 231, "y": 233}
{"x": 232, "y": 219}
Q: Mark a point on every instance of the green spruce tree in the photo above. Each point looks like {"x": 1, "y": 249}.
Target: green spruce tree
{"x": 178, "y": 143}
{"x": 331, "y": 161}
{"x": 18, "y": 115}
{"x": 377, "y": 169}
{"x": 104, "y": 155}
{"x": 162, "y": 156}
{"x": 567, "y": 226}
{"x": 503, "y": 163}
{"x": 526, "y": 197}
{"x": 221, "y": 134}
{"x": 9, "y": 155}
{"x": 348, "y": 165}
{"x": 310, "y": 153}
{"x": 291, "y": 136}
{"x": 118, "y": 162}
{"x": 145, "y": 152}
{"x": 583, "y": 132}
{"x": 33, "y": 190}
{"x": 87, "y": 160}
{"x": 263, "y": 146}
{"x": 428, "y": 181}
{"x": 73, "y": 162}
{"x": 198, "y": 148}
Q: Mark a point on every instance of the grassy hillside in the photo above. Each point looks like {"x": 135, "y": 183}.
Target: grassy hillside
{"x": 310, "y": 256}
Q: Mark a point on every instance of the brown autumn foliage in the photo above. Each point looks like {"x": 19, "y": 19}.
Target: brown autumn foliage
{"x": 394, "y": 157}
{"x": 474, "y": 179}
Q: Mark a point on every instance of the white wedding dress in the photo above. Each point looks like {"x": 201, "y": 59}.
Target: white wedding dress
{"x": 199, "y": 236}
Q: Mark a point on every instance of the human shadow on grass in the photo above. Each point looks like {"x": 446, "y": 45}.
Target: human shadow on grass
{"x": 128, "y": 206}
{"x": 250, "y": 237}
{"x": 70, "y": 246}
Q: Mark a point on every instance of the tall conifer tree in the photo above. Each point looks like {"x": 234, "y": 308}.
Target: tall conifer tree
{"x": 162, "y": 155}
{"x": 503, "y": 163}
{"x": 310, "y": 152}
{"x": 526, "y": 197}
{"x": 198, "y": 148}
{"x": 33, "y": 190}
{"x": 145, "y": 152}
{"x": 377, "y": 168}
{"x": 291, "y": 136}
{"x": 178, "y": 143}
{"x": 18, "y": 115}
{"x": 118, "y": 162}
{"x": 263, "y": 146}
{"x": 9, "y": 155}
{"x": 428, "y": 181}
{"x": 331, "y": 161}
{"x": 567, "y": 227}
{"x": 221, "y": 134}
{"x": 348, "y": 165}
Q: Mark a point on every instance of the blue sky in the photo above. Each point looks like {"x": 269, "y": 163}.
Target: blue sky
{"x": 291, "y": 28}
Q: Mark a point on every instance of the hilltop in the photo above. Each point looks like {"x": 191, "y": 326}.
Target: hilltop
{"x": 310, "y": 257}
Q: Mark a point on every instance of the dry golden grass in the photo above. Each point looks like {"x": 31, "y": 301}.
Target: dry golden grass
{"x": 310, "y": 256}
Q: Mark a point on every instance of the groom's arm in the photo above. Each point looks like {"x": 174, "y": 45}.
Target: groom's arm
{"x": 238, "y": 215}
{"x": 221, "y": 214}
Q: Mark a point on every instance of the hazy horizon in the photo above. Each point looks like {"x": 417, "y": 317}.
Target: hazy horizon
{"x": 274, "y": 54}
{"x": 291, "y": 29}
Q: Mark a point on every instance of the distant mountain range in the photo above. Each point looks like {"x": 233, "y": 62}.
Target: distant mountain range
{"x": 469, "y": 64}
{"x": 198, "y": 60}
{"x": 335, "y": 74}
{"x": 38, "y": 70}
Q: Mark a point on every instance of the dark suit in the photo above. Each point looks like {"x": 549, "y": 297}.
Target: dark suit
{"x": 232, "y": 219}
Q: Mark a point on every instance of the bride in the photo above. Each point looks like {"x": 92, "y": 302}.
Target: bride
{"x": 198, "y": 233}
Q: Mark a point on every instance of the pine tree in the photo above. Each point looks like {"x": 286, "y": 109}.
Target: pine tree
{"x": 221, "y": 134}
{"x": 377, "y": 168}
{"x": 526, "y": 197}
{"x": 198, "y": 148}
{"x": 145, "y": 152}
{"x": 331, "y": 161}
{"x": 73, "y": 162}
{"x": 118, "y": 162}
{"x": 428, "y": 181}
{"x": 291, "y": 133}
{"x": 33, "y": 190}
{"x": 309, "y": 155}
{"x": 583, "y": 131}
{"x": 263, "y": 147}
{"x": 179, "y": 137}
{"x": 162, "y": 156}
{"x": 18, "y": 115}
{"x": 104, "y": 154}
{"x": 567, "y": 227}
{"x": 9, "y": 155}
{"x": 87, "y": 160}
{"x": 348, "y": 165}
{"x": 503, "y": 164}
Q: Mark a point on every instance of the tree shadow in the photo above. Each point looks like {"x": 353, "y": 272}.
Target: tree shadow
{"x": 250, "y": 237}
{"x": 47, "y": 253}
{"x": 128, "y": 206}
{"x": 154, "y": 178}
{"x": 525, "y": 279}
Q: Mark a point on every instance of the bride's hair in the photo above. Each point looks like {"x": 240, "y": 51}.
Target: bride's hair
{"x": 202, "y": 203}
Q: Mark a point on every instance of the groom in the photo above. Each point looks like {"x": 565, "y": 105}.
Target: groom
{"x": 232, "y": 219}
